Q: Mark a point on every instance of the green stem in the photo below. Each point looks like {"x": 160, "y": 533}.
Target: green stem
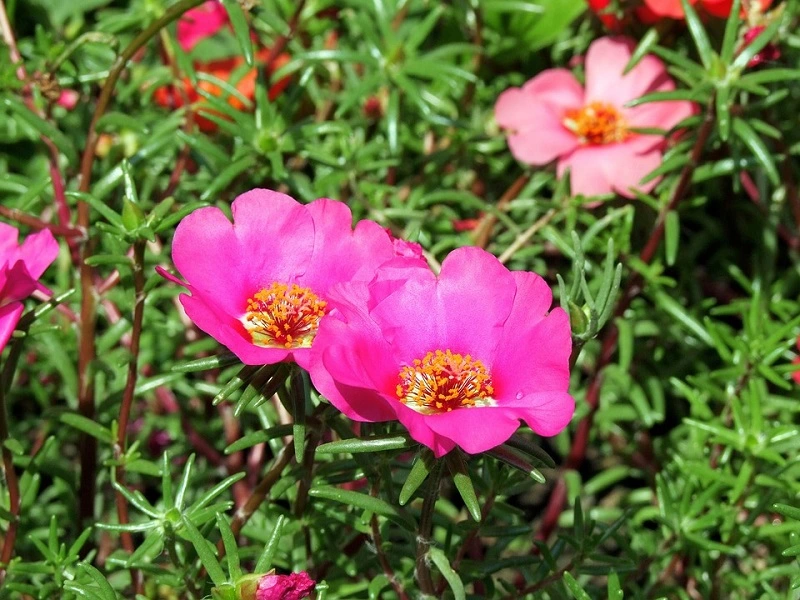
{"x": 426, "y": 529}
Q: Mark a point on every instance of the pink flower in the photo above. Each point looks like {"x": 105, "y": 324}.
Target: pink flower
{"x": 589, "y": 130}
{"x": 68, "y": 99}
{"x": 293, "y": 586}
{"x": 201, "y": 22}
{"x": 458, "y": 358}
{"x": 20, "y": 268}
{"x": 260, "y": 285}
{"x": 796, "y": 361}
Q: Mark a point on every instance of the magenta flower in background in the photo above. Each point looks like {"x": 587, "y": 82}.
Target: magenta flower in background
{"x": 293, "y": 586}
{"x": 260, "y": 285}
{"x": 201, "y": 22}
{"x": 459, "y": 359}
{"x": 589, "y": 129}
{"x": 20, "y": 268}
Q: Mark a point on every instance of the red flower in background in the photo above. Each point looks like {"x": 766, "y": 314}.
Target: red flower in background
{"x": 196, "y": 25}
{"x": 650, "y": 11}
{"x": 170, "y": 96}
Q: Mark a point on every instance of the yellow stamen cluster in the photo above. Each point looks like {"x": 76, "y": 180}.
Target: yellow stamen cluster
{"x": 597, "y": 123}
{"x": 443, "y": 381}
{"x": 283, "y": 315}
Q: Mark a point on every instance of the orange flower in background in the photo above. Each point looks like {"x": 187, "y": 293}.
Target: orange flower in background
{"x": 171, "y": 97}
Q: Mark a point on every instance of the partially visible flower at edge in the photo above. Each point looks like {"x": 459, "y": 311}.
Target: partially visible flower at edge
{"x": 590, "y": 130}
{"x": 769, "y": 53}
{"x": 20, "y": 268}
{"x": 796, "y": 361}
{"x": 201, "y": 22}
{"x": 458, "y": 359}
{"x": 260, "y": 285}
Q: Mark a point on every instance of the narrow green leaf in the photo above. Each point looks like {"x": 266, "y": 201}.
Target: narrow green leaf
{"x": 43, "y": 128}
{"x": 722, "y": 101}
{"x": 463, "y": 482}
{"x": 231, "y": 548}
{"x": 87, "y": 426}
{"x": 241, "y": 29}
{"x": 258, "y": 437}
{"x": 699, "y": 35}
{"x": 787, "y": 511}
{"x": 756, "y": 46}
{"x": 643, "y": 48}
{"x": 574, "y": 587}
{"x": 373, "y": 444}
{"x": 265, "y": 560}
{"x": 419, "y": 472}
{"x": 518, "y": 442}
{"x": 731, "y": 32}
{"x": 180, "y": 494}
{"x": 756, "y": 145}
{"x": 205, "y": 551}
{"x": 672, "y": 233}
{"x": 220, "y": 361}
{"x": 514, "y": 460}
{"x": 614, "y": 589}
{"x": 376, "y": 505}
{"x": 439, "y": 559}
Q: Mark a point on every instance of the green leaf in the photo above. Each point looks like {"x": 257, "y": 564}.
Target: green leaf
{"x": 756, "y": 46}
{"x": 87, "y": 426}
{"x": 220, "y": 361}
{"x": 672, "y": 232}
{"x": 574, "y": 587}
{"x": 643, "y": 48}
{"x": 439, "y": 559}
{"x": 419, "y": 472}
{"x": 373, "y": 444}
{"x": 205, "y": 551}
{"x": 241, "y": 29}
{"x": 231, "y": 548}
{"x": 731, "y": 31}
{"x": 43, "y": 128}
{"x": 699, "y": 35}
{"x": 787, "y": 511}
{"x": 514, "y": 460}
{"x": 614, "y": 589}
{"x": 259, "y": 437}
{"x": 463, "y": 482}
{"x": 375, "y": 505}
{"x": 756, "y": 145}
{"x": 265, "y": 560}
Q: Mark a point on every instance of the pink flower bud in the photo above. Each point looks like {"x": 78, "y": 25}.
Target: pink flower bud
{"x": 293, "y": 586}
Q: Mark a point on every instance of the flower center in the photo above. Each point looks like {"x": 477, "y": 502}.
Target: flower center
{"x": 284, "y": 315}
{"x": 597, "y": 123}
{"x": 442, "y": 381}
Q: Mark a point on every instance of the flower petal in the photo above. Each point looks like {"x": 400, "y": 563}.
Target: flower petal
{"x": 9, "y": 317}
{"x": 547, "y": 413}
{"x": 475, "y": 429}
{"x": 605, "y": 63}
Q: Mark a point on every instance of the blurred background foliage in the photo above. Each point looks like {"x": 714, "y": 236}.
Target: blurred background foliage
{"x": 679, "y": 475}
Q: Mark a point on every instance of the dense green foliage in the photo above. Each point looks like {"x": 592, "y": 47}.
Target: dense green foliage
{"x": 679, "y": 476}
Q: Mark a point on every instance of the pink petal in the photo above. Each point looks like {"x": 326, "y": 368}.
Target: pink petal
{"x": 270, "y": 240}
{"x": 9, "y": 317}
{"x": 534, "y": 115}
{"x": 341, "y": 253}
{"x": 556, "y": 88}
{"x": 664, "y": 115}
{"x": 38, "y": 252}
{"x": 229, "y": 332}
{"x": 200, "y": 23}
{"x": 586, "y": 174}
{"x": 17, "y": 284}
{"x": 475, "y": 429}
{"x": 351, "y": 365}
{"x": 625, "y": 170}
{"x": 543, "y": 139}
{"x": 535, "y": 357}
{"x": 464, "y": 310}
{"x": 418, "y": 426}
{"x": 547, "y": 413}
{"x": 605, "y": 63}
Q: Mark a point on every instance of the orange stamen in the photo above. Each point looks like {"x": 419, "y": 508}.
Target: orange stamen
{"x": 284, "y": 316}
{"x": 597, "y": 123}
{"x": 443, "y": 381}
